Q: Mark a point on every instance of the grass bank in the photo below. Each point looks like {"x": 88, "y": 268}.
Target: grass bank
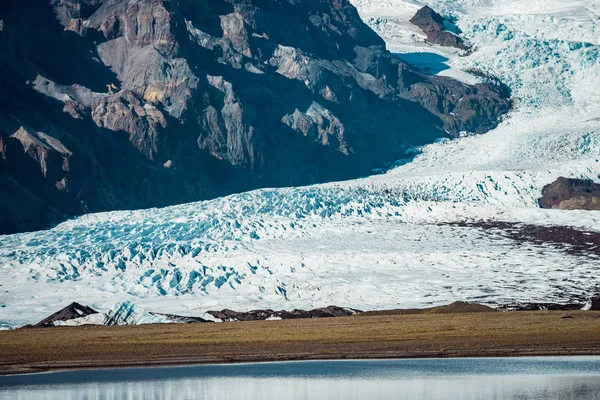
{"x": 366, "y": 336}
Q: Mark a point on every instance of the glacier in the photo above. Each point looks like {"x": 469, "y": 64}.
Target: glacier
{"x": 386, "y": 241}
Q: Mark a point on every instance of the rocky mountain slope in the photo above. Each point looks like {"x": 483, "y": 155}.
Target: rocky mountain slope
{"x": 118, "y": 104}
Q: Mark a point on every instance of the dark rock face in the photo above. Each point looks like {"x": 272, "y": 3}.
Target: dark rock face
{"x": 261, "y": 315}
{"x": 72, "y": 311}
{"x": 594, "y": 303}
{"x": 118, "y": 104}
{"x": 571, "y": 194}
{"x": 544, "y": 307}
{"x": 438, "y": 29}
{"x": 180, "y": 319}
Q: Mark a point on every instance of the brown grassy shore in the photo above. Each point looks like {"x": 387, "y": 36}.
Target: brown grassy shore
{"x": 357, "y": 337}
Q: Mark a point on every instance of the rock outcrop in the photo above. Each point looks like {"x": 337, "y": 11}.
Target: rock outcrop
{"x": 123, "y": 313}
{"x": 70, "y": 312}
{"x": 571, "y": 194}
{"x": 593, "y": 304}
{"x": 180, "y": 319}
{"x": 438, "y": 29}
{"x": 262, "y": 315}
{"x": 118, "y": 104}
{"x": 543, "y": 307}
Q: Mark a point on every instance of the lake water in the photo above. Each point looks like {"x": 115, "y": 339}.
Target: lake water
{"x": 543, "y": 378}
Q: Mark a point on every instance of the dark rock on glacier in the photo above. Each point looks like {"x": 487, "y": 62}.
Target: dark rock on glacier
{"x": 438, "y": 29}
{"x": 571, "y": 194}
{"x": 118, "y": 104}
{"x": 72, "y": 311}
{"x": 261, "y": 315}
{"x": 180, "y": 319}
{"x": 543, "y": 307}
{"x": 593, "y": 304}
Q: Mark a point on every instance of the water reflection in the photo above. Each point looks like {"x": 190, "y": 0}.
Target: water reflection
{"x": 464, "y": 379}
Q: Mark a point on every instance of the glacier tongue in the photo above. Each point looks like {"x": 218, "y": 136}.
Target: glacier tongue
{"x": 378, "y": 242}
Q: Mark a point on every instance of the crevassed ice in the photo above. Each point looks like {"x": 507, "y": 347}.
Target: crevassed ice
{"x": 377, "y": 242}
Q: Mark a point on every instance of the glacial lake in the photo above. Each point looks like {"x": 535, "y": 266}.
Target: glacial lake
{"x": 537, "y": 378}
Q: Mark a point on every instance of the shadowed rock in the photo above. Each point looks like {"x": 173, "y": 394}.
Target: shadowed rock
{"x": 180, "y": 319}
{"x": 593, "y": 304}
{"x": 571, "y": 194}
{"x": 438, "y": 29}
{"x": 543, "y": 307}
{"x": 118, "y": 104}
{"x": 261, "y": 315}
{"x": 123, "y": 313}
{"x": 72, "y": 311}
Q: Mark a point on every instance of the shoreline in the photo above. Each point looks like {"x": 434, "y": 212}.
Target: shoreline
{"x": 58, "y": 367}
{"x": 460, "y": 335}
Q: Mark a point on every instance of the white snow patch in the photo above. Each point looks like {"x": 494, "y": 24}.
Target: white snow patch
{"x": 273, "y": 318}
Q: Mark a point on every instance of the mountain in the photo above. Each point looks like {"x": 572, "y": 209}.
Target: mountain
{"x": 119, "y": 104}
{"x": 460, "y": 221}
{"x": 72, "y": 311}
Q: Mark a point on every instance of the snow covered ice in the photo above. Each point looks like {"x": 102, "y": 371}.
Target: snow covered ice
{"x": 380, "y": 242}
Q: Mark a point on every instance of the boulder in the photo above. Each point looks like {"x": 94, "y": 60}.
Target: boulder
{"x": 70, "y": 312}
{"x": 593, "y": 304}
{"x": 571, "y": 194}
{"x": 438, "y": 29}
